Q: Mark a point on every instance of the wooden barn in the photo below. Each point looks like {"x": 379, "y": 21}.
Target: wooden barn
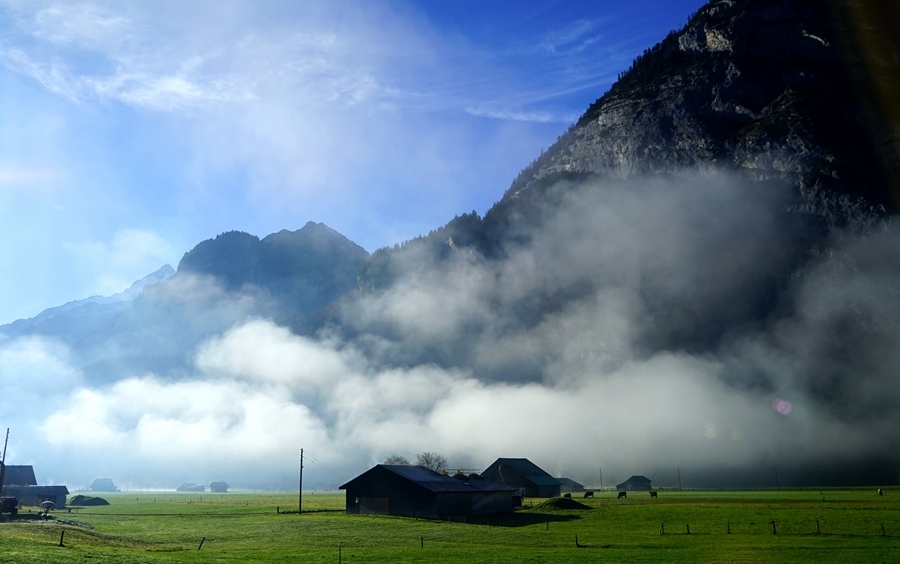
{"x": 521, "y": 473}
{"x": 21, "y": 483}
{"x": 218, "y": 487}
{"x": 635, "y": 484}
{"x": 415, "y": 491}
{"x": 570, "y": 486}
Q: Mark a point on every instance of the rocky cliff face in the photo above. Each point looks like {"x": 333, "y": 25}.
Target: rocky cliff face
{"x": 797, "y": 90}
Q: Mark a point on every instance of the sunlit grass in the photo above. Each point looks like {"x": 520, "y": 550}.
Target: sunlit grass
{"x": 238, "y": 527}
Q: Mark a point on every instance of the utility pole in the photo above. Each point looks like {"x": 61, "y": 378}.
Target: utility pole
{"x": 3, "y": 461}
{"x": 777, "y": 485}
{"x": 601, "y": 478}
{"x": 679, "y": 477}
{"x": 300, "y": 492}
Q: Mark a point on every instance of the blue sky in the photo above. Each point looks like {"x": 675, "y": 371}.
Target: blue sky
{"x": 130, "y": 131}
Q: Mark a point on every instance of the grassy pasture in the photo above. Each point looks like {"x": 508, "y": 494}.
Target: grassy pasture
{"x": 240, "y": 527}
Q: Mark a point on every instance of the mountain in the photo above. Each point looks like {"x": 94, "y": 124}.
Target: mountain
{"x": 801, "y": 90}
{"x": 73, "y": 319}
{"x": 155, "y": 325}
{"x": 798, "y": 92}
{"x": 304, "y": 270}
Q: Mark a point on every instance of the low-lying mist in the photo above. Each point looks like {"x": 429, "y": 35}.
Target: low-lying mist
{"x": 638, "y": 326}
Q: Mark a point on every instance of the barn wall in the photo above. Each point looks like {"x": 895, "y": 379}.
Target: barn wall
{"x": 492, "y": 502}
{"x": 406, "y": 499}
{"x": 547, "y": 491}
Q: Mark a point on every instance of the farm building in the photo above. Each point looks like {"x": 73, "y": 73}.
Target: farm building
{"x": 521, "y": 473}
{"x": 35, "y": 495}
{"x": 634, "y": 484}
{"x": 103, "y": 485}
{"x": 191, "y": 487}
{"x": 415, "y": 491}
{"x": 20, "y": 482}
{"x": 570, "y": 486}
{"x": 218, "y": 487}
{"x": 15, "y": 475}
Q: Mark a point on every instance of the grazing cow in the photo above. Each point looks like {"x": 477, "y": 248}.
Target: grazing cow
{"x": 652, "y": 494}
{"x": 567, "y": 495}
{"x": 588, "y": 494}
{"x": 880, "y": 492}
{"x": 623, "y": 494}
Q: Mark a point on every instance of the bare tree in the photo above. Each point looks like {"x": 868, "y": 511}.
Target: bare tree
{"x": 431, "y": 460}
{"x": 396, "y": 459}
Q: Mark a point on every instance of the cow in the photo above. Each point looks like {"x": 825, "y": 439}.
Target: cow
{"x": 652, "y": 494}
{"x": 880, "y": 492}
{"x": 588, "y": 494}
{"x": 567, "y": 495}
{"x": 623, "y": 494}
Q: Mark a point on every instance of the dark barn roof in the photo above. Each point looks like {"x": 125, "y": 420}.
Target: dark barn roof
{"x": 635, "y": 483}
{"x": 19, "y": 476}
{"x": 434, "y": 482}
{"x": 523, "y": 473}
{"x": 569, "y": 485}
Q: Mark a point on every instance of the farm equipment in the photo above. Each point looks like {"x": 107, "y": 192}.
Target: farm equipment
{"x": 9, "y": 504}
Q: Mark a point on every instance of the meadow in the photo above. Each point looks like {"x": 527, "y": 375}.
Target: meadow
{"x": 696, "y": 526}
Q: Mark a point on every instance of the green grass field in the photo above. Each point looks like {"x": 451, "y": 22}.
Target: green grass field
{"x": 240, "y": 527}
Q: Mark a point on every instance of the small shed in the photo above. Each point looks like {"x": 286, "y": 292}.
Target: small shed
{"x": 416, "y": 491}
{"x": 218, "y": 487}
{"x": 570, "y": 486}
{"x": 521, "y": 473}
{"x": 635, "y": 484}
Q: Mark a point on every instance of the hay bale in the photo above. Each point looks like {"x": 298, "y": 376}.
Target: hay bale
{"x": 87, "y": 501}
{"x": 560, "y": 504}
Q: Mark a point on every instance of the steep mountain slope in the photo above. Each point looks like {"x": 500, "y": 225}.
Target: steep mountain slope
{"x": 799, "y": 92}
{"x": 774, "y": 89}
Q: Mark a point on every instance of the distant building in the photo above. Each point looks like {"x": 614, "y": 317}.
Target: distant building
{"x": 634, "y": 484}
{"x": 570, "y": 486}
{"x": 523, "y": 474}
{"x": 415, "y": 491}
{"x": 103, "y": 485}
{"x": 218, "y": 487}
{"x": 190, "y": 487}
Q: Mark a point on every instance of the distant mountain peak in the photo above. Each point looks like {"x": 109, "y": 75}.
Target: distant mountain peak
{"x": 112, "y": 301}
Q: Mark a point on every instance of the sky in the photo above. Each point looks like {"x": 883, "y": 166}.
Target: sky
{"x": 131, "y": 131}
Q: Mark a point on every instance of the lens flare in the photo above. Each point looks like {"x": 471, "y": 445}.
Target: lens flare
{"x": 781, "y": 406}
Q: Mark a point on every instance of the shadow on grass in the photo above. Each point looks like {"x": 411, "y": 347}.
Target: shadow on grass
{"x": 523, "y": 519}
